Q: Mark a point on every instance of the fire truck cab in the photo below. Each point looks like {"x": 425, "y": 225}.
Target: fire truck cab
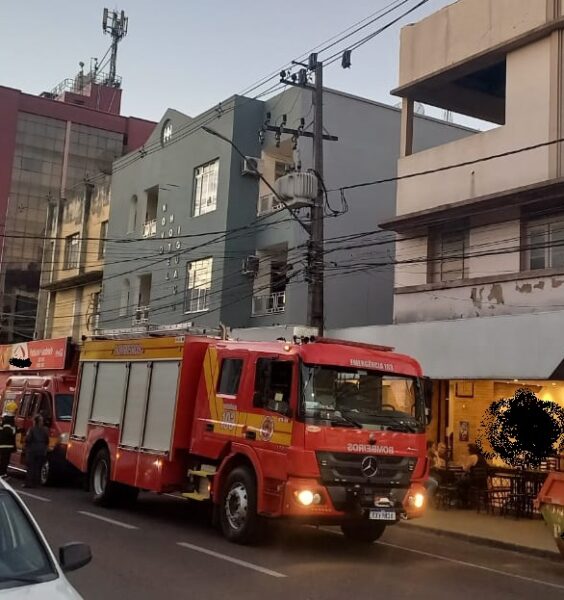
{"x": 46, "y": 386}
{"x": 328, "y": 432}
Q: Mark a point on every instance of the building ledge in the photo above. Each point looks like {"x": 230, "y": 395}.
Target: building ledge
{"x": 472, "y": 281}
{"x": 545, "y": 190}
{"x": 73, "y": 282}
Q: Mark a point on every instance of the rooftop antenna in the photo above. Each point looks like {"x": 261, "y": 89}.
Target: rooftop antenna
{"x": 115, "y": 24}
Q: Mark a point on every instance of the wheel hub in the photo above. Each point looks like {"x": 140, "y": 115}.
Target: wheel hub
{"x": 100, "y": 478}
{"x": 237, "y": 506}
{"x": 45, "y": 473}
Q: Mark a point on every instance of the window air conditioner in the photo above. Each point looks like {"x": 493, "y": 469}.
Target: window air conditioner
{"x": 251, "y": 266}
{"x": 251, "y": 165}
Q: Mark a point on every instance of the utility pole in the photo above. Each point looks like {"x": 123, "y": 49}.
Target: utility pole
{"x": 316, "y": 288}
{"x": 316, "y": 240}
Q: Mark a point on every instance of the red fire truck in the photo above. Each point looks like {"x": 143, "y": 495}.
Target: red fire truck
{"x": 326, "y": 432}
{"x": 40, "y": 377}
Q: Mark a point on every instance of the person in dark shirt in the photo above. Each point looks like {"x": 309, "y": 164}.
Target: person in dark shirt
{"x": 36, "y": 445}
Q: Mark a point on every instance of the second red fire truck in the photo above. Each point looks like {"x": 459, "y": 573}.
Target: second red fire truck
{"x": 327, "y": 432}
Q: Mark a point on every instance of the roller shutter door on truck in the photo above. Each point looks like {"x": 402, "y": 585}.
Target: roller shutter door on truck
{"x": 132, "y": 427}
{"x": 85, "y": 394}
{"x": 109, "y": 393}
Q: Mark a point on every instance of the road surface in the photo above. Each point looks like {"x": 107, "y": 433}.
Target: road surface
{"x": 165, "y": 548}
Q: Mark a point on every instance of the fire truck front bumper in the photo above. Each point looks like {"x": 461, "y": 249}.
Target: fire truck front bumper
{"x": 310, "y": 501}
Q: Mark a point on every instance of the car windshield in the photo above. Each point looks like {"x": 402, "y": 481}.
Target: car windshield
{"x": 63, "y": 406}
{"x": 23, "y": 557}
{"x": 359, "y": 398}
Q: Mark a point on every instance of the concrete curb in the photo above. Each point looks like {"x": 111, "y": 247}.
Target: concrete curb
{"x": 475, "y": 539}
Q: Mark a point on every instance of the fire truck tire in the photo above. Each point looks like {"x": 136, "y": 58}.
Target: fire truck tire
{"x": 362, "y": 531}
{"x": 238, "y": 516}
{"x": 104, "y": 491}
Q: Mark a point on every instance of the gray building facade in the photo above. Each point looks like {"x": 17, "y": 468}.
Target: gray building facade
{"x": 195, "y": 237}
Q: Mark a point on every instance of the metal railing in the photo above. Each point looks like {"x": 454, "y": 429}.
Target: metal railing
{"x": 268, "y": 304}
{"x": 150, "y": 228}
{"x": 140, "y": 315}
{"x": 80, "y": 83}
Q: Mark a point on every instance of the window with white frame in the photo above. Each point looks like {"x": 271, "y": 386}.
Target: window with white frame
{"x": 198, "y": 285}
{"x": 205, "y": 188}
{"x": 448, "y": 255}
{"x": 72, "y": 251}
{"x": 544, "y": 242}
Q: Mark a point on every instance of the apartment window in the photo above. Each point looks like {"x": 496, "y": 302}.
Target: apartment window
{"x": 132, "y": 223}
{"x": 125, "y": 296}
{"x": 103, "y": 236}
{"x": 72, "y": 251}
{"x": 544, "y": 239}
{"x": 150, "y": 225}
{"x": 279, "y": 169}
{"x": 448, "y": 260}
{"x": 205, "y": 186}
{"x": 198, "y": 285}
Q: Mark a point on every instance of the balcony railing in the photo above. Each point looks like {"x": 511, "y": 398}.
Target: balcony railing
{"x": 140, "y": 315}
{"x": 268, "y": 304}
{"x": 150, "y": 228}
{"x": 268, "y": 203}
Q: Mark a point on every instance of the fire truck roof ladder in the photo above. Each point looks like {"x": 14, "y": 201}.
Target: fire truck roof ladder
{"x": 161, "y": 331}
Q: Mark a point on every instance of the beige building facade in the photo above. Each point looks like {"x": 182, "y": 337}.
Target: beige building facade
{"x": 74, "y": 258}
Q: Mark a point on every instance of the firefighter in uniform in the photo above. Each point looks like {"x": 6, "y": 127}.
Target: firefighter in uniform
{"x": 7, "y": 436}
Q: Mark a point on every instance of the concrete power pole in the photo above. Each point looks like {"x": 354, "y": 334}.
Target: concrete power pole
{"x": 316, "y": 255}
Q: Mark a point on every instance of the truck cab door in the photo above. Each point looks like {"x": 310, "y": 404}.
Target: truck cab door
{"x": 23, "y": 423}
{"x": 269, "y": 424}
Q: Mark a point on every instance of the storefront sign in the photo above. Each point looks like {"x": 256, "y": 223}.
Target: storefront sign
{"x": 40, "y": 355}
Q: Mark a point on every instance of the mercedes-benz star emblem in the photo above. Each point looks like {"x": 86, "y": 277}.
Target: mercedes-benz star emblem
{"x": 369, "y": 466}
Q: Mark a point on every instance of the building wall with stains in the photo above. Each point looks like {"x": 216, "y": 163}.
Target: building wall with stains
{"x": 482, "y": 298}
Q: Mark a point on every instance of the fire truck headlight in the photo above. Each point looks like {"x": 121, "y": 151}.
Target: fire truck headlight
{"x": 307, "y": 497}
{"x": 417, "y": 500}
{"x": 64, "y": 438}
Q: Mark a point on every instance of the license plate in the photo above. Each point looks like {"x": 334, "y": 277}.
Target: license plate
{"x": 382, "y": 515}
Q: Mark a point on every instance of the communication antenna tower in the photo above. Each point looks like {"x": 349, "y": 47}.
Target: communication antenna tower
{"x": 115, "y": 24}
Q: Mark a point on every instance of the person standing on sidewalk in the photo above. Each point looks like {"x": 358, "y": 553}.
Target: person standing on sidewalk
{"x": 36, "y": 445}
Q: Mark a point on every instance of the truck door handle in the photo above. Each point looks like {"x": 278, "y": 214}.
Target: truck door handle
{"x": 251, "y": 435}
{"x": 209, "y": 426}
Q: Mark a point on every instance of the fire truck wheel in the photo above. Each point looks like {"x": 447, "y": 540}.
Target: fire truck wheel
{"x": 46, "y": 475}
{"x": 104, "y": 491}
{"x": 238, "y": 509}
{"x": 362, "y": 531}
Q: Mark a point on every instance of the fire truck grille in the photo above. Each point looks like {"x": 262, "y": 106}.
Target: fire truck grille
{"x": 361, "y": 469}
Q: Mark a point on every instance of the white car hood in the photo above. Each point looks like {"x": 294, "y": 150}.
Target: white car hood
{"x": 59, "y": 589}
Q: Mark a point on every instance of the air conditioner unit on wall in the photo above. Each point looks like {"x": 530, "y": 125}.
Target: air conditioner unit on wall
{"x": 251, "y": 266}
{"x": 251, "y": 165}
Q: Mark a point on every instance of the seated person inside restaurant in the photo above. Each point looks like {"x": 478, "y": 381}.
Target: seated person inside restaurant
{"x": 475, "y": 475}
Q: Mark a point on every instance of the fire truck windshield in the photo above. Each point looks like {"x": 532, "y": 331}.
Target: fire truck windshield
{"x": 360, "y": 398}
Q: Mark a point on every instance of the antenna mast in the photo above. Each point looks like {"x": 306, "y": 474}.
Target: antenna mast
{"x": 115, "y": 24}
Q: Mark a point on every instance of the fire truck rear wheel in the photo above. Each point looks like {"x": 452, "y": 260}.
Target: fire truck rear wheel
{"x": 104, "y": 491}
{"x": 238, "y": 516}
{"x": 364, "y": 532}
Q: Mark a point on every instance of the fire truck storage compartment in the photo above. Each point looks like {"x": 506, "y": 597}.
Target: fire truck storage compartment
{"x": 149, "y": 389}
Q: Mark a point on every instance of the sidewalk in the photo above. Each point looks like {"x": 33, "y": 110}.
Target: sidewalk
{"x": 523, "y": 535}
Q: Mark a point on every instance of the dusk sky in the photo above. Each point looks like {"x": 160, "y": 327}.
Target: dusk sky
{"x": 190, "y": 55}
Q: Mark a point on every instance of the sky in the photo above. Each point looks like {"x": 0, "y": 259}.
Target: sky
{"x": 189, "y": 54}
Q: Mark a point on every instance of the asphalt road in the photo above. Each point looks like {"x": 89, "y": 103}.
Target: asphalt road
{"x": 165, "y": 548}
